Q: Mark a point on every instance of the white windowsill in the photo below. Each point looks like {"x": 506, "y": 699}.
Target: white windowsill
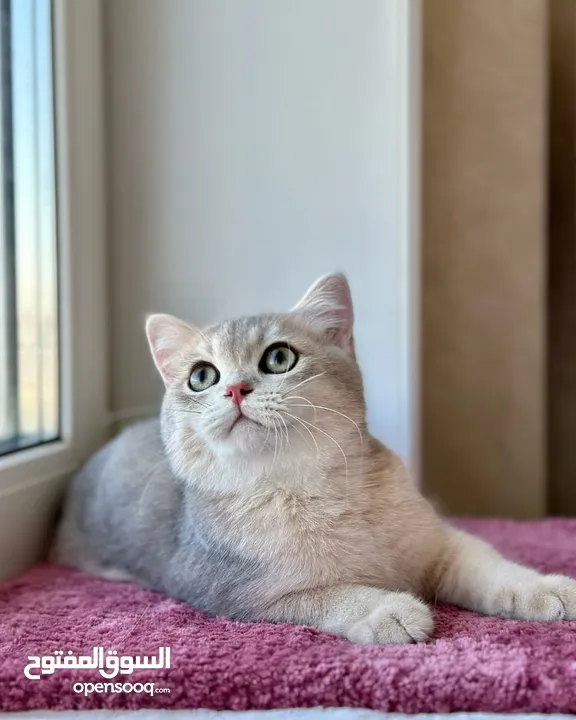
{"x": 34, "y": 465}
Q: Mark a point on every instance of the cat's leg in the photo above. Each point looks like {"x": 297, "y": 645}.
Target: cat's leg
{"x": 359, "y": 613}
{"x": 74, "y": 555}
{"x": 108, "y": 572}
{"x": 473, "y": 575}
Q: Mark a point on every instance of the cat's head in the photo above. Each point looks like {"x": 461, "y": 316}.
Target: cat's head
{"x": 260, "y": 387}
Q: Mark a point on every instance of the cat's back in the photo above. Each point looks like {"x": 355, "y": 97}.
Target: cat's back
{"x": 111, "y": 494}
{"x": 135, "y": 453}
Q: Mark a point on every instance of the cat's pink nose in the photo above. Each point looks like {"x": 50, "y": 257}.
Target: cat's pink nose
{"x": 238, "y": 392}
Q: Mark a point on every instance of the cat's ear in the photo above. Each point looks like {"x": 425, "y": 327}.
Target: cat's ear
{"x": 328, "y": 306}
{"x": 170, "y": 342}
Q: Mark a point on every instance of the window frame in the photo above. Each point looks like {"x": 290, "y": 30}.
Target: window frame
{"x": 29, "y": 375}
{"x": 40, "y": 471}
{"x": 7, "y": 360}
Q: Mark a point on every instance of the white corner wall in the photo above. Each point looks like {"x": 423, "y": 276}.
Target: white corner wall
{"x": 255, "y": 145}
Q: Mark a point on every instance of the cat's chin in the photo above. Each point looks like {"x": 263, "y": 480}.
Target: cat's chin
{"x": 244, "y": 435}
{"x": 243, "y": 422}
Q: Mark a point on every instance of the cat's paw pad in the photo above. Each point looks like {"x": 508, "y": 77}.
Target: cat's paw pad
{"x": 398, "y": 618}
{"x": 544, "y": 598}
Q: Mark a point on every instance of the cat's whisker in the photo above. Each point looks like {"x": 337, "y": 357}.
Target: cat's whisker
{"x": 299, "y": 397}
{"x": 305, "y": 428}
{"x": 322, "y": 407}
{"x": 285, "y": 426}
{"x": 282, "y": 441}
{"x": 307, "y": 381}
{"x": 331, "y": 438}
{"x": 266, "y": 437}
{"x": 300, "y": 433}
{"x": 275, "y": 445}
{"x": 276, "y": 427}
{"x": 306, "y": 423}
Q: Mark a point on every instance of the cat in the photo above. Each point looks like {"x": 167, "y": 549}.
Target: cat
{"x": 260, "y": 494}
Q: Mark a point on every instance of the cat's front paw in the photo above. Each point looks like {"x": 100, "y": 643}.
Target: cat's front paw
{"x": 365, "y": 614}
{"x": 541, "y": 597}
{"x": 398, "y": 618}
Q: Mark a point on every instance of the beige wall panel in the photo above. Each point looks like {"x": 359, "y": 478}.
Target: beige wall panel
{"x": 562, "y": 285}
{"x": 484, "y": 105}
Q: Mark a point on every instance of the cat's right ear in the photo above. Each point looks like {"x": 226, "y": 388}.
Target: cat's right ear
{"x": 170, "y": 340}
{"x": 328, "y": 306}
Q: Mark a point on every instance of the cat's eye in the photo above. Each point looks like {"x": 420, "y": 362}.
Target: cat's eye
{"x": 278, "y": 358}
{"x": 203, "y": 376}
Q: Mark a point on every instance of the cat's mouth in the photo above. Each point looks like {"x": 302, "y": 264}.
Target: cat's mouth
{"x": 242, "y": 419}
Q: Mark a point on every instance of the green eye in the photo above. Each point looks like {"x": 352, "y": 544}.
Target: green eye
{"x": 278, "y": 358}
{"x": 203, "y": 376}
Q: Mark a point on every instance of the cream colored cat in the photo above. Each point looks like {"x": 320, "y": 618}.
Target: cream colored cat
{"x": 261, "y": 493}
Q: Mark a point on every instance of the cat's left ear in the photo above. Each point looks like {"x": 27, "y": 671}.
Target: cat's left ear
{"x": 170, "y": 342}
{"x": 328, "y": 306}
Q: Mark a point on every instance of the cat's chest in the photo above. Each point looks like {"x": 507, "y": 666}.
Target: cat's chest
{"x": 295, "y": 530}
{"x": 298, "y": 541}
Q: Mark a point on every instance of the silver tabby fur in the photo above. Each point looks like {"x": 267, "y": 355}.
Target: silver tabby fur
{"x": 294, "y": 514}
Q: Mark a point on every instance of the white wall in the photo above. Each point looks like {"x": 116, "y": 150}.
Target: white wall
{"x": 254, "y": 145}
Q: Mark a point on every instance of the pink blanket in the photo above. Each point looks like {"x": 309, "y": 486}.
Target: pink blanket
{"x": 473, "y": 664}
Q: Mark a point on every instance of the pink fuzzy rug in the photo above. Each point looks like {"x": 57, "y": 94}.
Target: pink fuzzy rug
{"x": 473, "y": 664}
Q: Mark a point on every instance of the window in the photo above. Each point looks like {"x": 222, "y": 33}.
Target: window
{"x": 53, "y": 381}
{"x": 29, "y": 366}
